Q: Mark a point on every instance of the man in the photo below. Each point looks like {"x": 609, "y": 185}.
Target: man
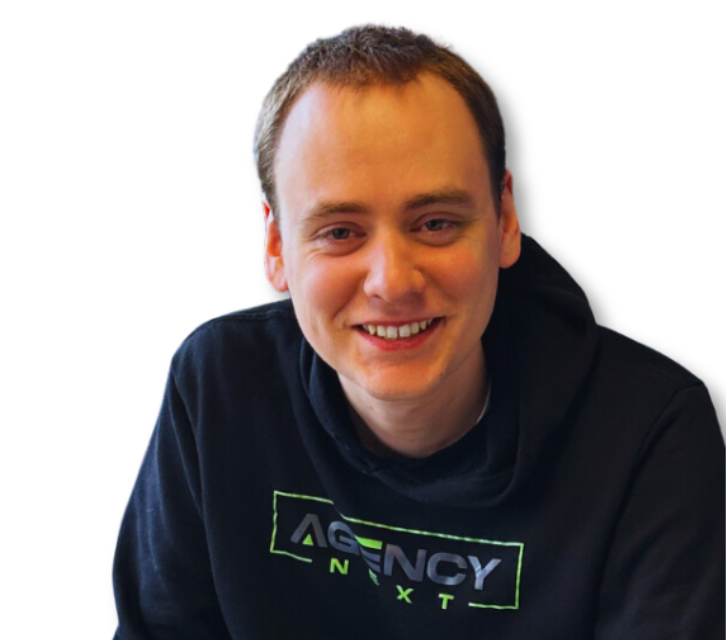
{"x": 434, "y": 438}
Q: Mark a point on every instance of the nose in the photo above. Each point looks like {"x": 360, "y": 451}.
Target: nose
{"x": 393, "y": 272}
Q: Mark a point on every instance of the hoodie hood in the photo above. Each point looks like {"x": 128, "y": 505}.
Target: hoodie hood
{"x": 539, "y": 346}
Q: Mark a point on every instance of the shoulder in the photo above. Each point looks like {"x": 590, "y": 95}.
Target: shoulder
{"x": 641, "y": 364}
{"x": 247, "y": 328}
{"x": 635, "y": 384}
{"x": 638, "y": 364}
{"x": 240, "y": 342}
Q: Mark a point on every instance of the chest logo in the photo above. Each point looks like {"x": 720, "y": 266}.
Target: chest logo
{"x": 484, "y": 573}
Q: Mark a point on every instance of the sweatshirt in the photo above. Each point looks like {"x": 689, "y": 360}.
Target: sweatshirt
{"x": 588, "y": 502}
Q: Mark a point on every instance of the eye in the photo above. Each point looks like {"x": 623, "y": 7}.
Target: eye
{"x": 438, "y": 231}
{"x": 437, "y": 224}
{"x": 338, "y": 240}
{"x": 339, "y": 233}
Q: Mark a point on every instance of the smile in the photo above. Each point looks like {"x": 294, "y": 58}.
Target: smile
{"x": 390, "y": 332}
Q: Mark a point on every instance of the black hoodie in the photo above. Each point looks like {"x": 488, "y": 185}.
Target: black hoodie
{"x": 587, "y": 503}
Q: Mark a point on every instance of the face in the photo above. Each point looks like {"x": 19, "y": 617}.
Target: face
{"x": 387, "y": 235}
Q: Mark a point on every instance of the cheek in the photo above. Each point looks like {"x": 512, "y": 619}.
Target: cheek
{"x": 319, "y": 292}
{"x": 470, "y": 276}
{"x": 470, "y": 282}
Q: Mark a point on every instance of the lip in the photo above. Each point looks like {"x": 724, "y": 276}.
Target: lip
{"x": 400, "y": 344}
{"x": 396, "y": 323}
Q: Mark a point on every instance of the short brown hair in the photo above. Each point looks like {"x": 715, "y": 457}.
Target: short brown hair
{"x": 362, "y": 56}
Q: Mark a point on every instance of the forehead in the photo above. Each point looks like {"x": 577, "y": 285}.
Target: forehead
{"x": 378, "y": 141}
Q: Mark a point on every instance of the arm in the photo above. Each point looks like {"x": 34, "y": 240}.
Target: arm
{"x": 162, "y": 575}
{"x": 664, "y": 576}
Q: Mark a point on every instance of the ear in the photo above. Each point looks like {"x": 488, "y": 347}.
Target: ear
{"x": 510, "y": 243}
{"x": 274, "y": 265}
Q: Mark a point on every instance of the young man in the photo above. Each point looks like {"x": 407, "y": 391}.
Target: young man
{"x": 433, "y": 437}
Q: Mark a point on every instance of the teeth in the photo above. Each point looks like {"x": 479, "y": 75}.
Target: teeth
{"x": 393, "y": 333}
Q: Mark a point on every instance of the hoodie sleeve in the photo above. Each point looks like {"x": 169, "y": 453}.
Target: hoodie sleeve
{"x": 162, "y": 575}
{"x": 664, "y": 576}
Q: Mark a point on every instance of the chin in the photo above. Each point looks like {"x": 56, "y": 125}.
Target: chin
{"x": 394, "y": 388}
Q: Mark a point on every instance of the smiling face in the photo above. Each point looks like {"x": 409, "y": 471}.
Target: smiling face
{"x": 388, "y": 237}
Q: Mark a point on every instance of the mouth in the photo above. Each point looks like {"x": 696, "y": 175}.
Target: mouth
{"x": 398, "y": 332}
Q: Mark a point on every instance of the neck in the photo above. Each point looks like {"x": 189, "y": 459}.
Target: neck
{"x": 419, "y": 427}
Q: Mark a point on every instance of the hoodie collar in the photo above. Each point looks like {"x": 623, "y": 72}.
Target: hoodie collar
{"x": 539, "y": 344}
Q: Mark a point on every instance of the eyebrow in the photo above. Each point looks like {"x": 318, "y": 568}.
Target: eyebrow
{"x": 447, "y": 196}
